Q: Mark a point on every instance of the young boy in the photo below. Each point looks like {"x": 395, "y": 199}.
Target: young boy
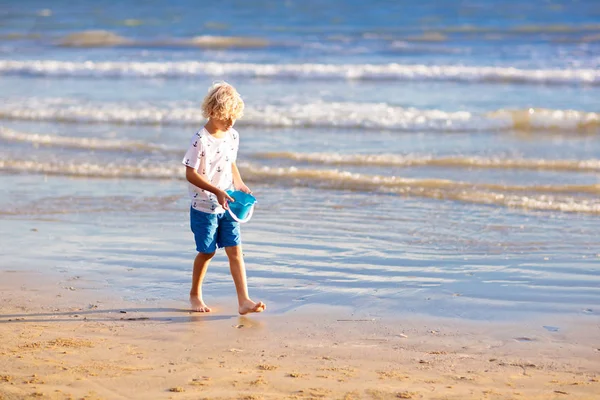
{"x": 210, "y": 171}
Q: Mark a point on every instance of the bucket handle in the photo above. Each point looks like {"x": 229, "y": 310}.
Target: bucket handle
{"x": 241, "y": 221}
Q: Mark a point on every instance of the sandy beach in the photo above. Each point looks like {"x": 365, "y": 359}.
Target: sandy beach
{"x": 62, "y": 339}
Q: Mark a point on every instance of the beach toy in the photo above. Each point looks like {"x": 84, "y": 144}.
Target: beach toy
{"x": 242, "y": 208}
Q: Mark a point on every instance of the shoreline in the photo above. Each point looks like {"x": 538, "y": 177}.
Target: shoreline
{"x": 64, "y": 343}
{"x": 291, "y": 270}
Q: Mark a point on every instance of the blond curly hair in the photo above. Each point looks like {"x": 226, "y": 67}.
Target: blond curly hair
{"x": 222, "y": 102}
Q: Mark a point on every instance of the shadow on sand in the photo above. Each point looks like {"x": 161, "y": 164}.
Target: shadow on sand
{"x": 172, "y": 315}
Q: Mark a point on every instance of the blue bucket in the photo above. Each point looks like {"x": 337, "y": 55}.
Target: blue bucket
{"x": 242, "y": 208}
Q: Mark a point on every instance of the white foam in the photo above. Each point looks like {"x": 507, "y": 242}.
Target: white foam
{"x": 375, "y": 116}
{"x": 78, "y": 169}
{"x": 404, "y": 72}
{"x": 396, "y": 160}
{"x": 78, "y": 142}
{"x": 554, "y": 198}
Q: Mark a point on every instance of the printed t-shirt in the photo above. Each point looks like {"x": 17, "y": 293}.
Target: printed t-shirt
{"x": 211, "y": 158}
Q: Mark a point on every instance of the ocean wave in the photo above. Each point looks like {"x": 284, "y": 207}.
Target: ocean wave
{"x": 406, "y": 47}
{"x": 547, "y": 198}
{"x": 368, "y": 160}
{"x": 91, "y": 170}
{"x": 348, "y": 115}
{"x": 101, "y": 38}
{"x": 427, "y": 37}
{"x": 399, "y": 72}
{"x": 556, "y": 28}
{"x": 93, "y": 39}
{"x": 568, "y": 198}
{"x": 523, "y": 29}
{"x": 343, "y": 180}
{"x": 578, "y": 39}
{"x": 19, "y": 36}
{"x": 393, "y": 160}
{"x": 80, "y": 142}
{"x": 221, "y": 42}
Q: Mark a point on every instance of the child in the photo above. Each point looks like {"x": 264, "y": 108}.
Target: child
{"x": 210, "y": 171}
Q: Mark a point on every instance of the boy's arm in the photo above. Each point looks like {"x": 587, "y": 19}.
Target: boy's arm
{"x": 238, "y": 183}
{"x": 198, "y": 180}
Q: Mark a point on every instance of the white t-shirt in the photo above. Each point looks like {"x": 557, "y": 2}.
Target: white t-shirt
{"x": 211, "y": 158}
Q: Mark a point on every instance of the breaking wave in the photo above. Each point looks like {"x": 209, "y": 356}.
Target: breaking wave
{"x": 567, "y": 198}
{"x": 523, "y": 29}
{"x": 348, "y": 115}
{"x": 392, "y": 160}
{"x": 368, "y": 160}
{"x": 399, "y": 72}
{"x": 101, "y": 38}
{"x": 93, "y": 39}
{"x": 79, "y": 142}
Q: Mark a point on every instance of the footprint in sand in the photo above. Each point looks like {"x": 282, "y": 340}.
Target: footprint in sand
{"x": 524, "y": 339}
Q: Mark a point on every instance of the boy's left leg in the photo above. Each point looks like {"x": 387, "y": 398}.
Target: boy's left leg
{"x": 238, "y": 273}
{"x": 204, "y": 226}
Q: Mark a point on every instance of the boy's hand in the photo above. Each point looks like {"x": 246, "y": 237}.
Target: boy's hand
{"x": 244, "y": 188}
{"x": 223, "y": 198}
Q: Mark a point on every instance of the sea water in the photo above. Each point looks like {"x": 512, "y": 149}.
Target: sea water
{"x": 433, "y": 157}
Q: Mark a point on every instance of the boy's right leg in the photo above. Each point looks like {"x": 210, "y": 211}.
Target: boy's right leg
{"x": 200, "y": 266}
{"x": 204, "y": 226}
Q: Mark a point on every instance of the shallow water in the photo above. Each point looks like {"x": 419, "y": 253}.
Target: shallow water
{"x": 439, "y": 159}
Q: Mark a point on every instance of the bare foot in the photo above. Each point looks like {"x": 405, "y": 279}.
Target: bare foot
{"x": 249, "y": 306}
{"x": 198, "y": 305}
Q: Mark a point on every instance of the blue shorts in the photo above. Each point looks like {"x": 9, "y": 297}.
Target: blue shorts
{"x": 212, "y": 231}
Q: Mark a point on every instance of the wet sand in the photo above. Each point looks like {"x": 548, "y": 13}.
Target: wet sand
{"x": 63, "y": 339}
